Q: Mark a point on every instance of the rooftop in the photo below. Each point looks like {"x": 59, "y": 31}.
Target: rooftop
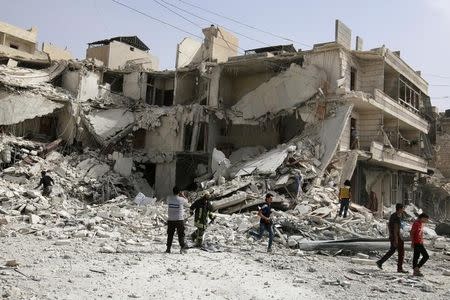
{"x": 130, "y": 40}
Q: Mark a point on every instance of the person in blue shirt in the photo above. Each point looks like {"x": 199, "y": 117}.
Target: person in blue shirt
{"x": 265, "y": 222}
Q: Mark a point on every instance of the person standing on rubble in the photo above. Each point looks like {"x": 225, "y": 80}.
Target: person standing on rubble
{"x": 345, "y": 195}
{"x": 175, "y": 220}
{"x": 417, "y": 244}
{"x": 265, "y": 222}
{"x": 395, "y": 239}
{"x": 203, "y": 210}
{"x": 47, "y": 183}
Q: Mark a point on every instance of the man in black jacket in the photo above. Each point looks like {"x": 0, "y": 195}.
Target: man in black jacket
{"x": 202, "y": 209}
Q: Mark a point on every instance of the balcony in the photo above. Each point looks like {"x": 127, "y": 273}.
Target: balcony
{"x": 397, "y": 159}
{"x": 398, "y": 110}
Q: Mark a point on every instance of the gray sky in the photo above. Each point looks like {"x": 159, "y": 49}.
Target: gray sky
{"x": 420, "y": 29}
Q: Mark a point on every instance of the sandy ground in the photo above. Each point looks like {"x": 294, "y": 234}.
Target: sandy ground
{"x": 76, "y": 269}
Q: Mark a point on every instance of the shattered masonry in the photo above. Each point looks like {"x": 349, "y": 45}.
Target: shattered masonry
{"x": 111, "y": 129}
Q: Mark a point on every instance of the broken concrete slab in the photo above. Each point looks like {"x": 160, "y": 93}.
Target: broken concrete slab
{"x": 123, "y": 166}
{"x": 15, "y": 108}
{"x": 25, "y": 77}
{"x": 289, "y": 89}
{"x": 109, "y": 125}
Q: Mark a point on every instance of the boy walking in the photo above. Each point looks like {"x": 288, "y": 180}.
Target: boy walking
{"x": 417, "y": 244}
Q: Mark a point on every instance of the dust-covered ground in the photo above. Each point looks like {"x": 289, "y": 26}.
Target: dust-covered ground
{"x": 77, "y": 269}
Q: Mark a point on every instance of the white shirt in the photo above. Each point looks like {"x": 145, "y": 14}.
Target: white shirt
{"x": 176, "y": 206}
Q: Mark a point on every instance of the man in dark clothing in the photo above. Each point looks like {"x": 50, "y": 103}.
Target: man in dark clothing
{"x": 202, "y": 209}
{"x": 395, "y": 238}
{"x": 265, "y": 223}
{"x": 47, "y": 182}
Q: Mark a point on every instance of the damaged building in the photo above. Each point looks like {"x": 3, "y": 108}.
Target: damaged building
{"x": 221, "y": 115}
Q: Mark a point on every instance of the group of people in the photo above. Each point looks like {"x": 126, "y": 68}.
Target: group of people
{"x": 202, "y": 211}
{"x": 396, "y": 241}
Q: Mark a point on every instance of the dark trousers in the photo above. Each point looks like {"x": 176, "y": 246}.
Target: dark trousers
{"x": 171, "y": 226}
{"x": 418, "y": 250}
{"x": 197, "y": 236}
{"x": 264, "y": 227}
{"x": 344, "y": 207}
{"x": 401, "y": 253}
{"x": 47, "y": 191}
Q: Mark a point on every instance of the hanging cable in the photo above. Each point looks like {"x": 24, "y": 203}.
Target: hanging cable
{"x": 180, "y": 15}
{"x": 246, "y": 25}
{"x": 212, "y": 22}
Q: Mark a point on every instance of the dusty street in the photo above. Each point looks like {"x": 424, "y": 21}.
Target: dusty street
{"x": 76, "y": 269}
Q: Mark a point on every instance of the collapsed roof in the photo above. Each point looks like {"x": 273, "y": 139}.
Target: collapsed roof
{"x": 130, "y": 40}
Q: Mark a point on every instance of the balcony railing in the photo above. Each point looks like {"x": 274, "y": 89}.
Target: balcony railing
{"x": 400, "y": 111}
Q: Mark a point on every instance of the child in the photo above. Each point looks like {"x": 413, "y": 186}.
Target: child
{"x": 417, "y": 244}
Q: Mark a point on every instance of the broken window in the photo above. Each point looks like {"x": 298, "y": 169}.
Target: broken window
{"x": 195, "y": 137}
{"x": 159, "y": 91}
{"x": 115, "y": 80}
{"x": 352, "y": 79}
{"x": 149, "y": 172}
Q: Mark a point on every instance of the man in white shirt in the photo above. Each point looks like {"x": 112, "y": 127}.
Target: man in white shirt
{"x": 176, "y": 204}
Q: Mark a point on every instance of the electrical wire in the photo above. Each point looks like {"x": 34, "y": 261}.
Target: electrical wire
{"x": 246, "y": 25}
{"x": 171, "y": 25}
{"x": 180, "y": 15}
{"x": 155, "y": 19}
{"x": 212, "y": 22}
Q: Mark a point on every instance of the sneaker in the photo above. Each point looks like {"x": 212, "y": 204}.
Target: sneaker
{"x": 379, "y": 265}
{"x": 269, "y": 250}
{"x": 167, "y": 251}
{"x": 402, "y": 271}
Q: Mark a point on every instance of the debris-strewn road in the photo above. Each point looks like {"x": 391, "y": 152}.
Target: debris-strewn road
{"x": 76, "y": 269}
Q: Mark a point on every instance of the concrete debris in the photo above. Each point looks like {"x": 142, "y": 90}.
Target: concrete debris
{"x": 15, "y": 108}
{"x": 291, "y": 88}
{"x": 24, "y": 77}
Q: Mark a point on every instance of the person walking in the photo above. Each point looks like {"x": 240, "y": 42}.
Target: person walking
{"x": 395, "y": 239}
{"x": 47, "y": 183}
{"x": 265, "y": 222}
{"x": 202, "y": 209}
{"x": 345, "y": 195}
{"x": 175, "y": 221}
{"x": 417, "y": 244}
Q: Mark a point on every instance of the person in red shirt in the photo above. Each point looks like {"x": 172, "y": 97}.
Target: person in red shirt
{"x": 417, "y": 244}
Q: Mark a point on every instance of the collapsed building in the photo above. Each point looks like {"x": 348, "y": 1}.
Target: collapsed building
{"x": 229, "y": 119}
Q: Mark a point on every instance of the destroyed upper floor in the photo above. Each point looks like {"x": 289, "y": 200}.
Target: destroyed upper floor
{"x": 19, "y": 47}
